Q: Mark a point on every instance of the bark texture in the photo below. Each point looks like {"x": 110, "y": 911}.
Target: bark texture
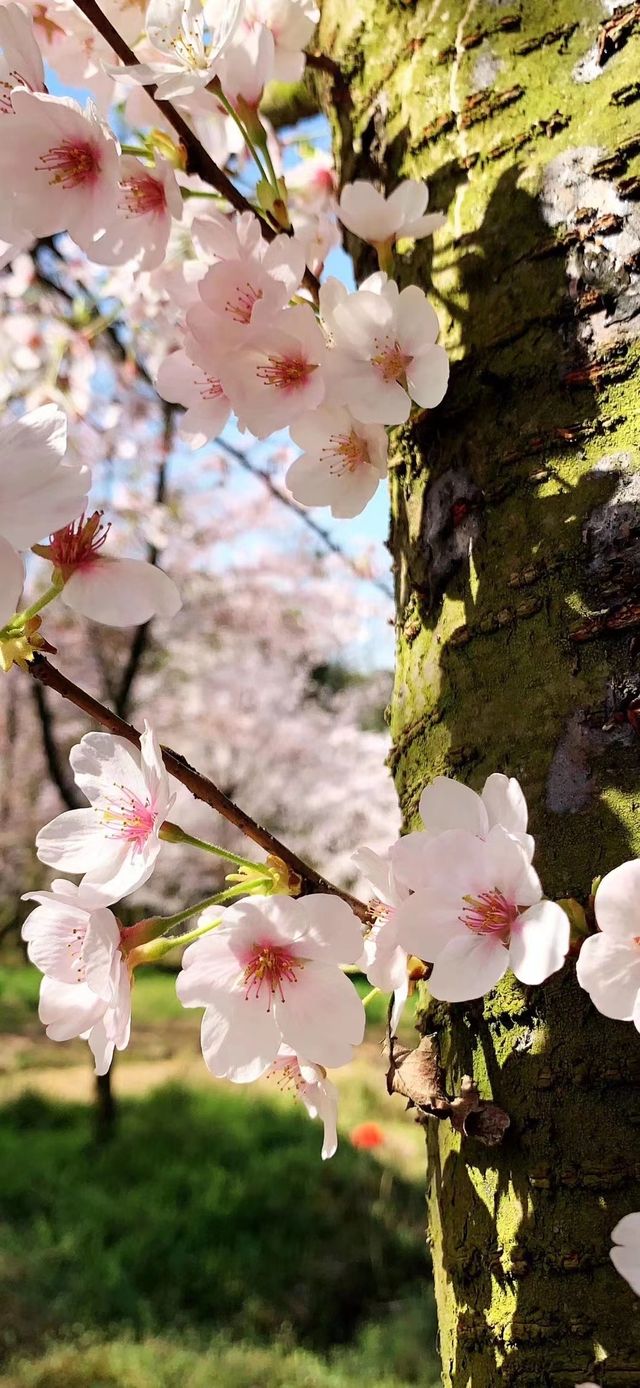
{"x": 516, "y": 544}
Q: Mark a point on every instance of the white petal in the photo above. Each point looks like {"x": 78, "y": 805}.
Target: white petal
{"x": 448, "y": 804}
{"x": 468, "y": 967}
{"x": 122, "y": 592}
{"x": 11, "y": 580}
{"x": 321, "y": 992}
{"x": 510, "y": 868}
{"x": 428, "y": 377}
{"x": 609, "y": 970}
{"x": 240, "y": 1036}
{"x": 73, "y": 841}
{"x": 617, "y": 901}
{"x": 68, "y": 1009}
{"x": 539, "y": 942}
{"x": 113, "y": 883}
{"x": 331, "y": 930}
{"x": 104, "y": 765}
{"x": 505, "y": 804}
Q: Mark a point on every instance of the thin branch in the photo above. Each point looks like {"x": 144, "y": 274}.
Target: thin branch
{"x": 198, "y": 160}
{"x": 200, "y": 786}
{"x": 141, "y": 635}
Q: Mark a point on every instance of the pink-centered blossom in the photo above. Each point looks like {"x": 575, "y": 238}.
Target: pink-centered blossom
{"x": 114, "y": 843}
{"x": 85, "y": 991}
{"x": 39, "y": 488}
{"x": 247, "y": 292}
{"x": 382, "y": 220}
{"x": 207, "y": 408}
{"x": 342, "y": 463}
{"x": 269, "y": 976}
{"x": 609, "y": 962}
{"x": 448, "y": 804}
{"x": 59, "y": 169}
{"x": 116, "y": 592}
{"x": 292, "y": 24}
{"x": 385, "y": 351}
{"x": 625, "y": 1255}
{"x": 148, "y": 199}
{"x": 478, "y": 910}
{"x": 383, "y": 960}
{"x": 276, "y": 374}
{"x": 20, "y": 61}
{"x": 313, "y": 1088}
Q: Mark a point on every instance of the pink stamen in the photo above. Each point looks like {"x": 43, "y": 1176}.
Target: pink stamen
{"x": 489, "y": 914}
{"x": 391, "y": 361}
{"x": 144, "y": 196}
{"x": 241, "y": 308}
{"x": 285, "y": 373}
{"x": 71, "y": 163}
{"x": 346, "y": 453}
{"x": 132, "y": 819}
{"x": 213, "y": 389}
{"x": 77, "y": 545}
{"x": 272, "y": 965}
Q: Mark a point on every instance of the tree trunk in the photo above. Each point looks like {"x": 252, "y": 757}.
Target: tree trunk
{"x": 516, "y": 541}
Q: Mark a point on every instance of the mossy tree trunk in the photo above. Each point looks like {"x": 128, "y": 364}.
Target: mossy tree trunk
{"x": 516, "y": 519}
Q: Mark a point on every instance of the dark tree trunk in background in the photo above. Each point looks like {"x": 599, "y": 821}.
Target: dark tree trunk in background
{"x": 516, "y": 539}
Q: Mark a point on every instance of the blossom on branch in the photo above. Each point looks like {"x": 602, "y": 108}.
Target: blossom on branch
{"x": 317, "y": 1093}
{"x": 207, "y": 408}
{"x": 476, "y": 910}
{"x": 609, "y": 962}
{"x": 115, "y": 842}
{"x": 382, "y": 220}
{"x": 116, "y": 592}
{"x": 269, "y": 976}
{"x": 343, "y": 461}
{"x": 448, "y": 804}
{"x": 277, "y": 374}
{"x": 292, "y": 24}
{"x": 86, "y": 989}
{"x": 61, "y": 166}
{"x": 190, "y": 37}
{"x": 148, "y": 199}
{"x": 385, "y": 349}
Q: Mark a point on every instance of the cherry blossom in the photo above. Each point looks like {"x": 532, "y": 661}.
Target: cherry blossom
{"x": 269, "y": 976}
{"x": 40, "y": 488}
{"x": 277, "y": 373}
{"x": 292, "y": 23}
{"x": 318, "y": 1094}
{"x": 237, "y": 294}
{"x": 342, "y": 463}
{"x": 384, "y": 960}
{"x": 61, "y": 164}
{"x": 609, "y": 962}
{"x": 449, "y": 804}
{"x": 382, "y": 220}
{"x": 11, "y": 580}
{"x": 386, "y": 353}
{"x": 116, "y": 592}
{"x": 115, "y": 842}
{"x": 207, "y": 407}
{"x": 21, "y": 61}
{"x": 85, "y": 990}
{"x": 478, "y": 911}
{"x": 625, "y": 1255}
{"x": 148, "y": 199}
{"x": 247, "y": 65}
{"x": 190, "y": 37}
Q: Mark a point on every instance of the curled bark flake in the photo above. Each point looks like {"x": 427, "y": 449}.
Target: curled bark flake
{"x": 417, "y": 1074}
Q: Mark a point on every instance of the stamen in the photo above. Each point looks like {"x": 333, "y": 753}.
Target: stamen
{"x": 489, "y": 914}
{"x": 71, "y": 163}
{"x": 132, "y": 819}
{"x": 144, "y": 196}
{"x": 241, "y": 308}
{"x": 391, "y": 361}
{"x": 75, "y": 546}
{"x": 285, "y": 373}
{"x": 272, "y": 965}
{"x": 345, "y": 453}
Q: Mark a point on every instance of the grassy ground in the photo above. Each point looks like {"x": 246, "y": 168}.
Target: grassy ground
{"x": 205, "y": 1242}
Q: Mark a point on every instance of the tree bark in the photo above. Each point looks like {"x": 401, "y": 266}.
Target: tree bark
{"x": 516, "y": 540}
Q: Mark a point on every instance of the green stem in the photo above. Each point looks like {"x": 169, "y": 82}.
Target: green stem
{"x": 140, "y": 152}
{"x": 20, "y": 620}
{"x": 375, "y": 992}
{"x": 245, "y": 134}
{"x": 174, "y": 834}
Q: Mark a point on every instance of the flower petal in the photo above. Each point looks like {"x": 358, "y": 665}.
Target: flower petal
{"x": 609, "y": 970}
{"x": 448, "y": 804}
{"x": 321, "y": 992}
{"x": 122, "y": 592}
{"x": 468, "y": 967}
{"x": 539, "y": 942}
{"x": 11, "y": 580}
{"x": 617, "y": 901}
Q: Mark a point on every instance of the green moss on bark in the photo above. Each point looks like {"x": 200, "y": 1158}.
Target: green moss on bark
{"x": 501, "y": 662}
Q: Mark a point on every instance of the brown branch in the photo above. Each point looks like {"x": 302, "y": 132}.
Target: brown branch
{"x": 198, "y": 160}
{"x": 200, "y": 786}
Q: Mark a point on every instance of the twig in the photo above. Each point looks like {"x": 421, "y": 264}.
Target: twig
{"x": 200, "y": 786}
{"x": 198, "y": 160}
